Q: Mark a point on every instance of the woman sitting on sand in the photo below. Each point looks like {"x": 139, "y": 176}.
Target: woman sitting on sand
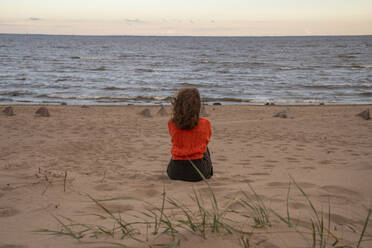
{"x": 190, "y": 136}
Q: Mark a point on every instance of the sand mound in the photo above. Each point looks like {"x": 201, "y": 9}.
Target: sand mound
{"x": 8, "y": 111}
{"x": 146, "y": 113}
{"x": 283, "y": 114}
{"x": 162, "y": 111}
{"x": 203, "y": 111}
{"x": 42, "y": 112}
{"x": 365, "y": 114}
{"x": 7, "y": 212}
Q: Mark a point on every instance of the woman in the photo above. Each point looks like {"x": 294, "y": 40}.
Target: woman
{"x": 190, "y": 136}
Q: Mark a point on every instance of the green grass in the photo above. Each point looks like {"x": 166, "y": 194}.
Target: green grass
{"x": 173, "y": 220}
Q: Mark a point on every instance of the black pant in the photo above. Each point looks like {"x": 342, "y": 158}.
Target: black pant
{"x": 185, "y": 171}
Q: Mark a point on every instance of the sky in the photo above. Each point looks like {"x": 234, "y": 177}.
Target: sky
{"x": 187, "y": 17}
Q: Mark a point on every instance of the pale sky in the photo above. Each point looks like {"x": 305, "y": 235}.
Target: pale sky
{"x": 187, "y": 17}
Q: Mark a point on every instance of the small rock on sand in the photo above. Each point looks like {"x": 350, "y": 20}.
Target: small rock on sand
{"x": 365, "y": 114}
{"x": 146, "y": 113}
{"x": 8, "y": 111}
{"x": 43, "y": 112}
{"x": 283, "y": 114}
{"x": 162, "y": 111}
{"x": 217, "y": 103}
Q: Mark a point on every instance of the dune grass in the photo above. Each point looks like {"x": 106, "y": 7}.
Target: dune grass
{"x": 174, "y": 220}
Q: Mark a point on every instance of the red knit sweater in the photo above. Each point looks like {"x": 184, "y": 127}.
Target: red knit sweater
{"x": 190, "y": 144}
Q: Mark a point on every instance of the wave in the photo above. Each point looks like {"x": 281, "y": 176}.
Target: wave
{"x": 113, "y": 88}
{"x": 352, "y": 67}
{"x": 290, "y": 101}
{"x": 70, "y": 79}
{"x": 131, "y": 55}
{"x": 367, "y": 94}
{"x": 286, "y": 68}
{"x": 109, "y": 98}
{"x": 144, "y": 70}
{"x": 347, "y": 56}
{"x": 207, "y": 86}
{"x": 336, "y": 86}
{"x": 63, "y": 47}
{"x": 223, "y": 71}
{"x": 15, "y": 93}
{"x": 225, "y": 99}
{"x": 101, "y": 68}
{"x": 6, "y": 100}
{"x": 244, "y": 64}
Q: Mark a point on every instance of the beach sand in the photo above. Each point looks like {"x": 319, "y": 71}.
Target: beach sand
{"x": 49, "y": 166}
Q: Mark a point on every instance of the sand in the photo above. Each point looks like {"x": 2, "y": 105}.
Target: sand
{"x": 48, "y": 166}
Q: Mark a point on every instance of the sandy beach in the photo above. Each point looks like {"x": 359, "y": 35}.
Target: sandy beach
{"x": 49, "y": 166}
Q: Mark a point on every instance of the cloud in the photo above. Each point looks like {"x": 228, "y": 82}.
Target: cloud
{"x": 35, "y": 19}
{"x": 133, "y": 21}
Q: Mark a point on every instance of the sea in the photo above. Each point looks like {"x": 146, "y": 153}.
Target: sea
{"x": 121, "y": 70}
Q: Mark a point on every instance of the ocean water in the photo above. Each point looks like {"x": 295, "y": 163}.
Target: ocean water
{"x": 149, "y": 70}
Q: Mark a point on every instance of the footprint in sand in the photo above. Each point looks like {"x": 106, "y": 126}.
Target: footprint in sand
{"x": 204, "y": 190}
{"x": 105, "y": 187}
{"x": 257, "y": 156}
{"x": 325, "y": 162}
{"x": 12, "y": 246}
{"x": 361, "y": 166}
{"x": 335, "y": 199}
{"x": 271, "y": 161}
{"x": 260, "y": 174}
{"x": 268, "y": 166}
{"x": 221, "y": 158}
{"x": 158, "y": 178}
{"x": 277, "y": 184}
{"x": 308, "y": 168}
{"x": 268, "y": 244}
{"x": 341, "y": 220}
{"x": 152, "y": 192}
{"x": 285, "y": 184}
{"x": 297, "y": 205}
{"x": 292, "y": 160}
{"x": 8, "y": 212}
{"x": 335, "y": 191}
{"x": 117, "y": 208}
{"x": 246, "y": 180}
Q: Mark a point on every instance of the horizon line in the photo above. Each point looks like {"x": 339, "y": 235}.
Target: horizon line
{"x": 202, "y": 36}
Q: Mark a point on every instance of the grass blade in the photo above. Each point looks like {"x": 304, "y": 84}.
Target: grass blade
{"x": 364, "y": 227}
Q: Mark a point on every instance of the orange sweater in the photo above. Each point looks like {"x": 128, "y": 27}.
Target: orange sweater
{"x": 190, "y": 144}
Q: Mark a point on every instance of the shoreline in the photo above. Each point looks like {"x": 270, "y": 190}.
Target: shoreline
{"x": 168, "y": 104}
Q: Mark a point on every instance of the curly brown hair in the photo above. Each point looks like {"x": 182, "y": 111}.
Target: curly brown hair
{"x": 186, "y": 108}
